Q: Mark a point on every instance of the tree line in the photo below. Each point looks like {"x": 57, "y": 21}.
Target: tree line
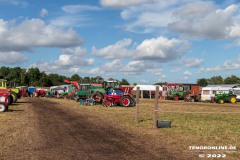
{"x": 218, "y": 80}
{"x": 34, "y": 77}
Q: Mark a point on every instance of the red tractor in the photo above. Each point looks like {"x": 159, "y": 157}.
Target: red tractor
{"x": 117, "y": 97}
{"x": 39, "y": 92}
{"x": 4, "y": 101}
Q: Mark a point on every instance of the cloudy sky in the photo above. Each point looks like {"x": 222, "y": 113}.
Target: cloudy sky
{"x": 144, "y": 41}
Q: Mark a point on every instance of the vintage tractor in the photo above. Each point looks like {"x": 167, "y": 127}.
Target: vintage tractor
{"x": 225, "y": 97}
{"x": 4, "y": 96}
{"x": 115, "y": 96}
{"x": 179, "y": 92}
{"x": 39, "y": 92}
{"x": 14, "y": 92}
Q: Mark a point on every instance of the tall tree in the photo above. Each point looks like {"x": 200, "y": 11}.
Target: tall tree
{"x": 4, "y": 71}
{"x": 216, "y": 80}
{"x": 124, "y": 82}
{"x": 86, "y": 80}
{"x": 56, "y": 79}
{"x": 203, "y": 82}
{"x": 34, "y": 76}
{"x": 23, "y": 77}
{"x": 44, "y": 80}
{"x": 14, "y": 76}
{"x": 76, "y": 77}
{"x": 232, "y": 80}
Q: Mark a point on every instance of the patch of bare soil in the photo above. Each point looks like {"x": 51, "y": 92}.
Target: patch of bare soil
{"x": 36, "y": 128}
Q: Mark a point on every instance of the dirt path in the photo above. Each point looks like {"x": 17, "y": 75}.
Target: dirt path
{"x": 40, "y": 129}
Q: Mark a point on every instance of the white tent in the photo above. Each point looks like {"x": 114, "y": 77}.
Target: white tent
{"x": 148, "y": 88}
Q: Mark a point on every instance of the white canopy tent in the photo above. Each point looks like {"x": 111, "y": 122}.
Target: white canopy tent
{"x": 148, "y": 88}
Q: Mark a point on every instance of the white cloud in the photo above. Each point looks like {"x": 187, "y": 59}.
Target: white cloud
{"x": 116, "y": 51}
{"x": 35, "y": 33}
{"x": 161, "y": 49}
{"x": 204, "y": 21}
{"x": 96, "y": 71}
{"x": 156, "y": 49}
{"x": 175, "y": 70}
{"x": 78, "y": 51}
{"x": 8, "y": 58}
{"x": 70, "y": 61}
{"x": 191, "y": 62}
{"x": 187, "y": 73}
{"x": 71, "y": 21}
{"x": 227, "y": 65}
{"x": 44, "y": 12}
{"x": 20, "y": 3}
{"x": 122, "y": 3}
{"x": 80, "y": 8}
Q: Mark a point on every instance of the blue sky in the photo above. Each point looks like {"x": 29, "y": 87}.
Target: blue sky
{"x": 143, "y": 41}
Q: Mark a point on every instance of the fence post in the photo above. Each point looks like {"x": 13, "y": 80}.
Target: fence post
{"x": 137, "y": 105}
{"x": 155, "y": 113}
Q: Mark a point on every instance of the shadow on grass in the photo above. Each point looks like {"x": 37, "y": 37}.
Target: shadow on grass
{"x": 23, "y": 102}
{"x": 15, "y": 110}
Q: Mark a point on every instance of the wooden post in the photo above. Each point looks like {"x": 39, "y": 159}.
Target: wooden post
{"x": 155, "y": 113}
{"x": 137, "y": 105}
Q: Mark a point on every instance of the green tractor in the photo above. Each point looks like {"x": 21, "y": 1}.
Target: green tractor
{"x": 225, "y": 97}
{"x": 14, "y": 92}
{"x": 87, "y": 91}
{"x": 95, "y": 91}
{"x": 179, "y": 92}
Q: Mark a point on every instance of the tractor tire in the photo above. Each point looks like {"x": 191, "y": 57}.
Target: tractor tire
{"x": 3, "y": 108}
{"x": 10, "y": 99}
{"x": 108, "y": 104}
{"x": 192, "y": 99}
{"x": 176, "y": 98}
{"x": 76, "y": 98}
{"x": 221, "y": 101}
{"x": 233, "y": 99}
{"x": 133, "y": 102}
{"x": 14, "y": 95}
{"x": 98, "y": 97}
{"x": 125, "y": 101}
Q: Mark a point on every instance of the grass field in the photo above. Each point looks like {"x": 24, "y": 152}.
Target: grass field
{"x": 193, "y": 124}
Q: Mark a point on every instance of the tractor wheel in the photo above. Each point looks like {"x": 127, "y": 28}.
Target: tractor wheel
{"x": 98, "y": 98}
{"x": 133, "y": 102}
{"x": 233, "y": 99}
{"x": 192, "y": 99}
{"x": 3, "y": 108}
{"x": 221, "y": 101}
{"x": 108, "y": 104}
{"x": 176, "y": 98}
{"x": 125, "y": 101}
{"x": 36, "y": 94}
{"x": 76, "y": 98}
{"x": 14, "y": 95}
{"x": 10, "y": 99}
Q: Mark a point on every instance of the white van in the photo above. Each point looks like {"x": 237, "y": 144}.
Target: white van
{"x": 208, "y": 93}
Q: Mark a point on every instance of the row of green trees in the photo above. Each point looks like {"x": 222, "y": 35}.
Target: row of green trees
{"x": 34, "y": 77}
{"x": 218, "y": 80}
